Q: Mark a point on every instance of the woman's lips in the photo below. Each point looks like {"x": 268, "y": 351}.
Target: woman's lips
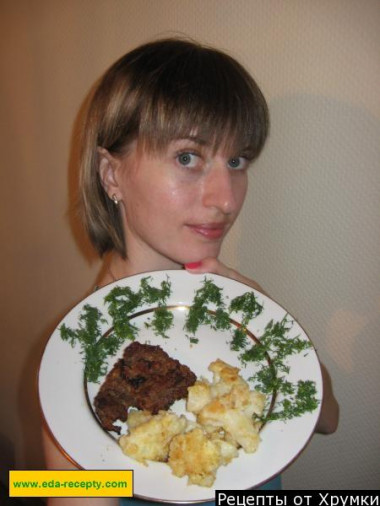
{"x": 209, "y": 230}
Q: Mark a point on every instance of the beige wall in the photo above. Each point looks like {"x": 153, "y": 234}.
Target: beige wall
{"x": 309, "y": 232}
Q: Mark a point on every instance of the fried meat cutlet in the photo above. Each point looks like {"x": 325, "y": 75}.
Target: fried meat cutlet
{"x": 145, "y": 378}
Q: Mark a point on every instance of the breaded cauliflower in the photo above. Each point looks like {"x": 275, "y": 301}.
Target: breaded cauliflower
{"x": 225, "y": 377}
{"x": 137, "y": 417}
{"x": 231, "y": 407}
{"x": 198, "y": 395}
{"x": 224, "y": 411}
{"x": 240, "y": 427}
{"x": 195, "y": 455}
{"x": 150, "y": 439}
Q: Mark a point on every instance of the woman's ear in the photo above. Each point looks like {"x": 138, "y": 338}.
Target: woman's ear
{"x": 108, "y": 166}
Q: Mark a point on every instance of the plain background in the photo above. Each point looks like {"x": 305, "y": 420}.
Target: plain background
{"x": 309, "y": 233}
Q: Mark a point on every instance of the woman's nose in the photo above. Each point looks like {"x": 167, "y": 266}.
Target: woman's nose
{"x": 219, "y": 190}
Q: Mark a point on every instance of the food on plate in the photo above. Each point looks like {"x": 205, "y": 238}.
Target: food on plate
{"x": 196, "y": 455}
{"x": 227, "y": 403}
{"x": 145, "y": 378}
{"x": 150, "y": 439}
{"x": 225, "y": 418}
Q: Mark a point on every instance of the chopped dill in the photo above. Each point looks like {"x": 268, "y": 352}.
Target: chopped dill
{"x": 207, "y": 308}
{"x": 161, "y": 322}
{"x": 221, "y": 320}
{"x": 121, "y": 302}
{"x": 301, "y": 400}
{"x": 197, "y": 315}
{"x": 271, "y": 378}
{"x": 94, "y": 349}
{"x": 267, "y": 381}
{"x": 201, "y": 314}
{"x": 248, "y": 305}
{"x": 210, "y": 292}
{"x": 239, "y": 339}
{"x": 153, "y": 295}
{"x": 162, "y": 319}
{"x": 276, "y": 342}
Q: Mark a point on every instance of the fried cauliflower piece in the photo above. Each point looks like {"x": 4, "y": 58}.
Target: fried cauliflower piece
{"x": 225, "y": 377}
{"x": 150, "y": 439}
{"x": 137, "y": 417}
{"x": 228, "y": 450}
{"x": 240, "y": 427}
{"x": 249, "y": 402}
{"x": 195, "y": 455}
{"x": 232, "y": 406}
{"x": 198, "y": 395}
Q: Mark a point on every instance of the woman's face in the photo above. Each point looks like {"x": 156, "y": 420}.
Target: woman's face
{"x": 179, "y": 205}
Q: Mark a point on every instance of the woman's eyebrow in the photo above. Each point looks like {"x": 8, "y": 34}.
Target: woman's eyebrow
{"x": 193, "y": 138}
{"x": 243, "y": 150}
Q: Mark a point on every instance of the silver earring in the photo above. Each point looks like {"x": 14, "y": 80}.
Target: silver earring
{"x": 114, "y": 198}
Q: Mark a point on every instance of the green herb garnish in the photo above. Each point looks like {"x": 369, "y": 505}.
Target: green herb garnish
{"x": 94, "y": 349}
{"x": 200, "y": 312}
{"x": 121, "y": 302}
{"x": 301, "y": 400}
{"x": 208, "y": 308}
{"x": 271, "y": 379}
{"x": 248, "y": 305}
{"x": 162, "y": 319}
{"x": 151, "y": 294}
{"x": 161, "y": 322}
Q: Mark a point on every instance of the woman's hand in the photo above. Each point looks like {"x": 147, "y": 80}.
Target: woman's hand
{"x": 329, "y": 417}
{"x": 214, "y": 266}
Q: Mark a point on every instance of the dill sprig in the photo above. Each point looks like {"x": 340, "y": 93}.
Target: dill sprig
{"x": 247, "y": 304}
{"x": 200, "y": 313}
{"x": 153, "y": 295}
{"x": 276, "y": 342}
{"x": 121, "y": 302}
{"x": 94, "y": 349}
{"x": 162, "y": 319}
{"x": 239, "y": 338}
{"x": 303, "y": 399}
{"x": 249, "y": 308}
{"x": 271, "y": 378}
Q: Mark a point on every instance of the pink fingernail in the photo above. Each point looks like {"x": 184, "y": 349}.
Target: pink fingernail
{"x": 193, "y": 265}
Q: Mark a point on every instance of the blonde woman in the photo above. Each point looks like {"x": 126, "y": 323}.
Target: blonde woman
{"x": 171, "y": 131}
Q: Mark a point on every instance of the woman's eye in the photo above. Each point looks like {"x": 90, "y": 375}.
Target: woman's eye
{"x": 238, "y": 163}
{"x": 187, "y": 159}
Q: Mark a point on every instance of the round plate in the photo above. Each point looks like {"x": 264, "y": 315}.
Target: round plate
{"x": 64, "y": 395}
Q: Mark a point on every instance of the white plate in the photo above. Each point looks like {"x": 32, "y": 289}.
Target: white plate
{"x": 80, "y": 436}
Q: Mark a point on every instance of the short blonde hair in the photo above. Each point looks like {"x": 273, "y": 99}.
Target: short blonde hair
{"x": 158, "y": 92}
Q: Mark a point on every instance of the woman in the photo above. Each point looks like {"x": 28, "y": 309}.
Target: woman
{"x": 171, "y": 131}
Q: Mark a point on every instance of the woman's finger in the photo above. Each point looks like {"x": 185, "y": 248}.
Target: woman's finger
{"x": 215, "y": 266}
